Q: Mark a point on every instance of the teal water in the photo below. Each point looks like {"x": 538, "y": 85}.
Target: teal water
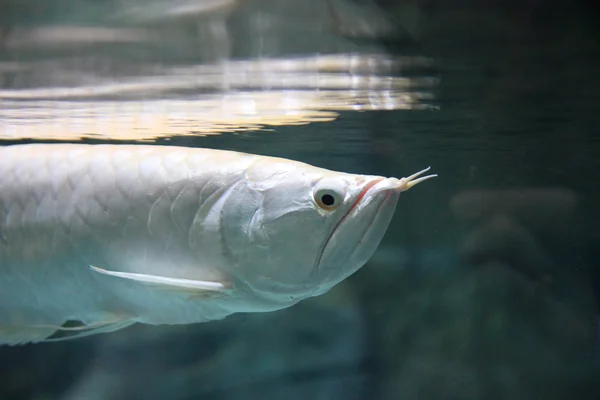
{"x": 486, "y": 285}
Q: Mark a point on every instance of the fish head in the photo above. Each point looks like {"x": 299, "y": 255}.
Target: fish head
{"x": 294, "y": 231}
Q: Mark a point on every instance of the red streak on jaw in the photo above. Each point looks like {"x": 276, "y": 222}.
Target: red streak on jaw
{"x": 360, "y": 196}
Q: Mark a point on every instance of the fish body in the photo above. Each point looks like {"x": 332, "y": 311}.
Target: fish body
{"x": 111, "y": 235}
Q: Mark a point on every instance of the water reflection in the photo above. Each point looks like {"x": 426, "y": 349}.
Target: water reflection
{"x": 212, "y": 99}
{"x": 135, "y": 11}
{"x": 132, "y": 70}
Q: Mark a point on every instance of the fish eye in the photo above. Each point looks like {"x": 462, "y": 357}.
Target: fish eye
{"x": 329, "y": 196}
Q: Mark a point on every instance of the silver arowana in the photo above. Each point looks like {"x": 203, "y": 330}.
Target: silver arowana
{"x": 111, "y": 235}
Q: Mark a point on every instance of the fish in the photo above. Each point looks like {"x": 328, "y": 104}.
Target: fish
{"x": 97, "y": 237}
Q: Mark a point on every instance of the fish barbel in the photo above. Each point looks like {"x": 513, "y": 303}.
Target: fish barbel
{"x": 112, "y": 235}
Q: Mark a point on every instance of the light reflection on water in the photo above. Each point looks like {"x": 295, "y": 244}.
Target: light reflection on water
{"x": 131, "y": 70}
{"x": 232, "y": 97}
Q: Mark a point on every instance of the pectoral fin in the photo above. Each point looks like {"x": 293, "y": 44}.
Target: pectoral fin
{"x": 180, "y": 285}
{"x": 83, "y": 331}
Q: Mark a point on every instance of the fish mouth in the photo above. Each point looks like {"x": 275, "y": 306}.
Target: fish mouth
{"x": 366, "y": 222}
{"x": 358, "y": 200}
{"x": 377, "y": 196}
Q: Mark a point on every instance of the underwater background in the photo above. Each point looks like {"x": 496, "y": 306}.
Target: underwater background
{"x": 487, "y": 283}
